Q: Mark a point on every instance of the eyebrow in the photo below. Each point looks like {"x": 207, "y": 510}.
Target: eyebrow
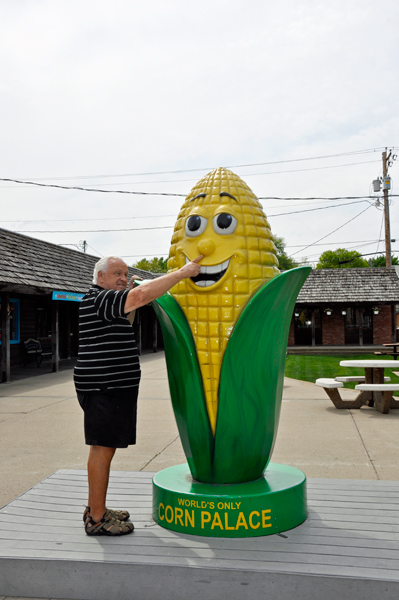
{"x": 198, "y": 196}
{"x": 229, "y": 195}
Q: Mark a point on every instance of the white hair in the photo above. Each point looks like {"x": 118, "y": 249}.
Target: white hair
{"x": 102, "y": 265}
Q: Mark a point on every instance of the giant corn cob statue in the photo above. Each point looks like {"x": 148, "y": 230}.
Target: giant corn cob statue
{"x": 225, "y": 331}
{"x": 223, "y": 220}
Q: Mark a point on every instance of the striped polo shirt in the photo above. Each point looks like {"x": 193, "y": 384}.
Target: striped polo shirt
{"x": 107, "y": 357}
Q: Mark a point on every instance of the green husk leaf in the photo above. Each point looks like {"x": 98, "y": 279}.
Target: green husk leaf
{"x": 186, "y": 389}
{"x": 251, "y": 381}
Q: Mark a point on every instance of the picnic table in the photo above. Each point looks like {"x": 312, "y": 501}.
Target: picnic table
{"x": 393, "y": 352}
{"x": 374, "y": 387}
{"x": 374, "y": 391}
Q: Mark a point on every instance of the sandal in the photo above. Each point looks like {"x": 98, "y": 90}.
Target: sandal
{"x": 121, "y": 515}
{"x": 107, "y": 526}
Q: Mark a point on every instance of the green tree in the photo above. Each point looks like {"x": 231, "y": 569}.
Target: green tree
{"x": 285, "y": 261}
{"x": 155, "y": 265}
{"x": 341, "y": 259}
{"x": 379, "y": 261}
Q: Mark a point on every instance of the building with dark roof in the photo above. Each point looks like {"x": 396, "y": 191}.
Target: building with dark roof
{"x": 41, "y": 285}
{"x": 346, "y": 307}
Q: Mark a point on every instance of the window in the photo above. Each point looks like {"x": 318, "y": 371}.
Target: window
{"x": 358, "y": 326}
{"x": 307, "y": 327}
{"x": 14, "y": 321}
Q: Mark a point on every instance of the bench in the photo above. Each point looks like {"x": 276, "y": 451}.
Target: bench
{"x": 358, "y": 378}
{"x": 385, "y": 400}
{"x": 331, "y": 386}
{"x": 33, "y": 350}
{"x": 387, "y": 353}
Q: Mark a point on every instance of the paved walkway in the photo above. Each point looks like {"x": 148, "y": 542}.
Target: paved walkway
{"x": 41, "y": 431}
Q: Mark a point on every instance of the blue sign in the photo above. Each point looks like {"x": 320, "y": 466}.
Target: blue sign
{"x": 68, "y": 296}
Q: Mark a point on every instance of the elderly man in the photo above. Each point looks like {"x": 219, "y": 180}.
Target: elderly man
{"x": 107, "y": 376}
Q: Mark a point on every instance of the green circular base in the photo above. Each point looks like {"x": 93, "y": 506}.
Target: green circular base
{"x": 275, "y": 502}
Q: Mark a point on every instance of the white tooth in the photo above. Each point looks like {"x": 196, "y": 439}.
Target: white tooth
{"x": 214, "y": 269}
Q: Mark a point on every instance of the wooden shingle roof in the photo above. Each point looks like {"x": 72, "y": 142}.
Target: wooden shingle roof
{"x": 31, "y": 266}
{"x": 351, "y": 285}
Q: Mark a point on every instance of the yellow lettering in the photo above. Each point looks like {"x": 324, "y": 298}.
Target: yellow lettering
{"x": 205, "y": 518}
{"x": 192, "y": 502}
{"x": 159, "y": 512}
{"x": 188, "y": 518}
{"x": 211, "y": 505}
{"x": 179, "y": 515}
{"x": 171, "y": 514}
{"x": 226, "y": 521}
{"x": 227, "y": 505}
{"x": 252, "y": 526}
{"x": 220, "y": 505}
{"x": 216, "y": 521}
{"x": 265, "y": 518}
{"x": 180, "y": 501}
{"x": 241, "y": 522}
{"x": 238, "y": 504}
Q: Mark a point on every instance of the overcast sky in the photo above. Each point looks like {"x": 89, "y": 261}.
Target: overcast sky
{"x": 151, "y": 96}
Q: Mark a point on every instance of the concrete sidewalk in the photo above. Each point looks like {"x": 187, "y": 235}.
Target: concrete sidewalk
{"x": 41, "y": 431}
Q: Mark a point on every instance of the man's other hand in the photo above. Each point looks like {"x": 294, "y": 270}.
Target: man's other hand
{"x": 131, "y": 282}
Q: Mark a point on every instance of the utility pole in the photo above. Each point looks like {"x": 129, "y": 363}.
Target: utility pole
{"x": 386, "y": 186}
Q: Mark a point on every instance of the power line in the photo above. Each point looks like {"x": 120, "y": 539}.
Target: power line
{"x": 169, "y": 226}
{"x": 90, "y": 219}
{"x": 97, "y": 185}
{"x": 294, "y": 212}
{"x": 366, "y": 242}
{"x": 95, "y": 230}
{"x": 275, "y": 162}
{"x": 328, "y": 234}
{"x": 65, "y": 187}
{"x": 74, "y": 187}
{"x": 151, "y": 217}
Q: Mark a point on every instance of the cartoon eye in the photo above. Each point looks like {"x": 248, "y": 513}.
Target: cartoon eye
{"x": 195, "y": 225}
{"x": 223, "y": 223}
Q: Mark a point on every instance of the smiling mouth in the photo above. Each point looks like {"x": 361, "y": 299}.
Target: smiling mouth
{"x": 210, "y": 275}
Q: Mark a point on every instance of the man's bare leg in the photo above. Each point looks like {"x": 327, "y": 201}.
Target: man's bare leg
{"x": 98, "y": 467}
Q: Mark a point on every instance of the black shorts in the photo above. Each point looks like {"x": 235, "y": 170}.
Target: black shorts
{"x": 110, "y": 418}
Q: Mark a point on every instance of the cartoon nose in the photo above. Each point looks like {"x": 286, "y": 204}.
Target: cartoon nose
{"x": 206, "y": 247}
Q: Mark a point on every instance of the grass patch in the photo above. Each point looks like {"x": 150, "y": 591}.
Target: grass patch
{"x": 310, "y": 368}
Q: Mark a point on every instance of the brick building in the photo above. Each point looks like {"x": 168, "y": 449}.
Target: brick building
{"x": 346, "y": 307}
{"x": 41, "y": 285}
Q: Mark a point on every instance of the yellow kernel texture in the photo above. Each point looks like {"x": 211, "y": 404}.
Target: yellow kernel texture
{"x": 223, "y": 220}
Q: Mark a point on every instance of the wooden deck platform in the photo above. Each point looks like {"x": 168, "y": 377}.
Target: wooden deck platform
{"x": 347, "y": 549}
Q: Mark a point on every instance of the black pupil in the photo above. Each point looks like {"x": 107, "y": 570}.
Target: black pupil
{"x": 194, "y": 223}
{"x": 224, "y": 220}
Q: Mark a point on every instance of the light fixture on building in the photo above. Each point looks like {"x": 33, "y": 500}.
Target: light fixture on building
{"x": 376, "y": 310}
{"x": 308, "y": 323}
{"x": 328, "y": 311}
{"x": 343, "y": 312}
{"x": 296, "y": 313}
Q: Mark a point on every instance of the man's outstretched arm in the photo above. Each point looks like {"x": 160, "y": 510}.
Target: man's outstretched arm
{"x": 152, "y": 289}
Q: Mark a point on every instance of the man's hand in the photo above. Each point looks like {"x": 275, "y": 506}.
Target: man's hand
{"x": 192, "y": 268}
{"x": 131, "y": 282}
